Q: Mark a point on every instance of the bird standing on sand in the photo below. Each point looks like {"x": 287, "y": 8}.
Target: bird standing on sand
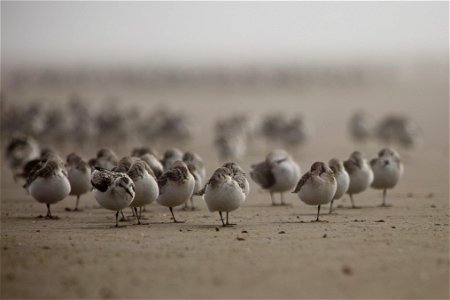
{"x": 361, "y": 175}
{"x": 317, "y": 187}
{"x": 342, "y": 179}
{"x": 176, "y": 186}
{"x": 48, "y": 183}
{"x": 223, "y": 193}
{"x": 387, "y": 169}
{"x": 79, "y": 175}
{"x": 113, "y": 190}
{"x": 279, "y": 173}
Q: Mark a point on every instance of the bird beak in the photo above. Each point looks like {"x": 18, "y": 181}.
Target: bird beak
{"x": 129, "y": 192}
{"x": 386, "y": 162}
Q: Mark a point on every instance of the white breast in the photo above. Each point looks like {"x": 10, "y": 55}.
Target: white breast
{"x": 360, "y": 180}
{"x": 146, "y": 191}
{"x": 287, "y": 174}
{"x": 115, "y": 198}
{"x": 50, "y": 190}
{"x": 317, "y": 191}
{"x": 174, "y": 194}
{"x": 80, "y": 182}
{"x": 226, "y": 197}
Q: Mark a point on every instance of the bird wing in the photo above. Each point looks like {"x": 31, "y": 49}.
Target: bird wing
{"x": 302, "y": 181}
{"x": 101, "y": 180}
{"x": 262, "y": 174}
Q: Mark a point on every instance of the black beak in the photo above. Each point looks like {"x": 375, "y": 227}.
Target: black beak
{"x": 386, "y": 162}
{"x": 129, "y": 192}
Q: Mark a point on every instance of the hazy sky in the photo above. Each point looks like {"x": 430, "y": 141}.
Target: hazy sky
{"x": 220, "y": 32}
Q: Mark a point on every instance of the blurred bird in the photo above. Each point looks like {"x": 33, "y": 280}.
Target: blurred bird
{"x": 20, "y": 150}
{"x": 79, "y": 175}
{"x": 342, "y": 179}
{"x": 279, "y": 173}
{"x": 387, "y": 169}
{"x": 361, "y": 175}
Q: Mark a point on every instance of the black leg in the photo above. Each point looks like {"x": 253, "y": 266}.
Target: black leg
{"x": 273, "y": 200}
{"x": 221, "y": 219}
{"x": 49, "y": 214}
{"x": 173, "y": 216}
{"x": 123, "y": 216}
{"x": 76, "y": 205}
{"x": 331, "y": 207}
{"x": 353, "y": 203}
{"x": 384, "y": 199}
{"x": 318, "y": 213}
{"x": 117, "y": 218}
{"x": 228, "y": 223}
{"x": 137, "y": 215}
{"x": 192, "y": 203}
{"x": 282, "y": 199}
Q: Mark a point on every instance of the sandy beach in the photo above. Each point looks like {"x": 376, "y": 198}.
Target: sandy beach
{"x": 274, "y": 252}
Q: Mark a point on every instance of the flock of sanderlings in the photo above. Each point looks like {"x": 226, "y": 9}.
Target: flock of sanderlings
{"x": 173, "y": 180}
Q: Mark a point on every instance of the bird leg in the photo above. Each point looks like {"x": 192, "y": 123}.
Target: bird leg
{"x": 331, "y": 207}
{"x": 318, "y": 213}
{"x": 273, "y": 199}
{"x": 221, "y": 219}
{"x": 173, "y": 216}
{"x": 228, "y": 223}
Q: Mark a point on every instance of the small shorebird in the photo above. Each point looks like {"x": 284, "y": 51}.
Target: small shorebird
{"x": 239, "y": 175}
{"x": 106, "y": 159}
{"x": 195, "y": 165}
{"x": 279, "y": 173}
{"x": 317, "y": 186}
{"x": 113, "y": 190}
{"x": 360, "y": 126}
{"x": 223, "y": 193}
{"x": 146, "y": 187}
{"x": 361, "y": 176}
{"x": 387, "y": 169}
{"x": 171, "y": 156}
{"x": 20, "y": 150}
{"x": 79, "y": 175}
{"x": 176, "y": 186}
{"x": 154, "y": 163}
{"x": 48, "y": 183}
{"x": 342, "y": 179}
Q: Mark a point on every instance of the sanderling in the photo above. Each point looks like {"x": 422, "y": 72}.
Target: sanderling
{"x": 20, "y": 150}
{"x": 342, "y": 179}
{"x": 113, "y": 190}
{"x": 170, "y": 156}
{"x": 238, "y": 175}
{"x": 146, "y": 187}
{"x": 48, "y": 183}
{"x": 106, "y": 159}
{"x": 79, "y": 175}
{"x": 223, "y": 193}
{"x": 175, "y": 186}
{"x": 387, "y": 170}
{"x": 153, "y": 163}
{"x": 360, "y": 126}
{"x": 317, "y": 186}
{"x": 195, "y": 165}
{"x": 361, "y": 175}
{"x": 278, "y": 173}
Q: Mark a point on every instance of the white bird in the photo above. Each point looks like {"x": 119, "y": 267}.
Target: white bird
{"x": 223, "y": 193}
{"x": 317, "y": 187}
{"x": 146, "y": 186}
{"x": 79, "y": 175}
{"x": 361, "y": 175}
{"x": 106, "y": 159}
{"x": 113, "y": 190}
{"x": 279, "y": 173}
{"x": 387, "y": 169}
{"x": 342, "y": 179}
{"x": 196, "y": 167}
{"x": 239, "y": 175}
{"x": 176, "y": 186}
{"x": 170, "y": 156}
{"x": 20, "y": 150}
{"x": 48, "y": 183}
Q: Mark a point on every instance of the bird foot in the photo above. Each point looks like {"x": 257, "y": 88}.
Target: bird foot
{"x": 50, "y": 217}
